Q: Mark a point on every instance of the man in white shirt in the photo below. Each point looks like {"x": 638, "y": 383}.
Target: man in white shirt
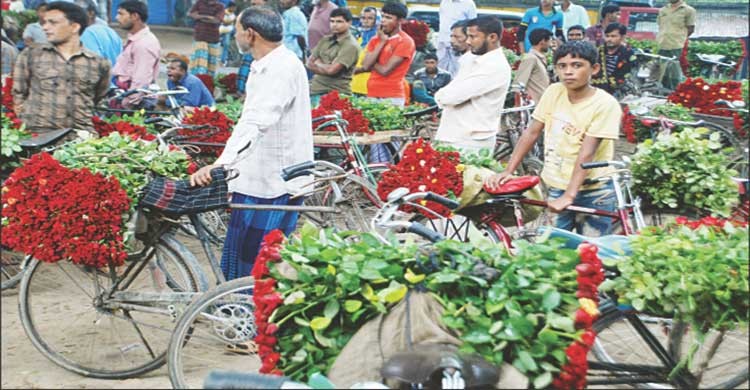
{"x": 472, "y": 101}
{"x": 573, "y": 14}
{"x": 451, "y": 11}
{"x": 276, "y": 119}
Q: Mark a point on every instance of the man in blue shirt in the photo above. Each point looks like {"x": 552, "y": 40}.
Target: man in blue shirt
{"x": 177, "y": 75}
{"x": 545, "y": 16}
{"x": 98, "y": 37}
{"x": 295, "y": 28}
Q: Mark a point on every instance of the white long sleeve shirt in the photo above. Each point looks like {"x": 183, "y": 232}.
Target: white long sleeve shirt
{"x": 472, "y": 102}
{"x": 452, "y": 11}
{"x": 275, "y": 115}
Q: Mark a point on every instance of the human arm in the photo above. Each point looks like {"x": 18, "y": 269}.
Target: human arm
{"x": 302, "y": 44}
{"x": 475, "y": 84}
{"x": 102, "y": 86}
{"x": 690, "y": 22}
{"x": 521, "y": 37}
{"x": 21, "y": 79}
{"x": 524, "y": 145}
{"x": 374, "y": 47}
{"x": 524, "y": 70}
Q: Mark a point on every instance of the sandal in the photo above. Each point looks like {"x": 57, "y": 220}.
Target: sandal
{"x": 243, "y": 348}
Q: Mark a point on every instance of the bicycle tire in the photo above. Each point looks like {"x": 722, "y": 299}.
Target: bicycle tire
{"x": 105, "y": 361}
{"x": 12, "y": 268}
{"x": 195, "y": 332}
{"x": 618, "y": 342}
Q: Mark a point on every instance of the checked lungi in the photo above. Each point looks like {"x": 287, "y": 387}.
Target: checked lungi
{"x": 205, "y": 58}
{"x": 247, "y": 229}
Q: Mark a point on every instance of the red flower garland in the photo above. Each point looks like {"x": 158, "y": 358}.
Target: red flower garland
{"x": 229, "y": 82}
{"x": 7, "y": 99}
{"x": 104, "y": 128}
{"x": 219, "y": 134}
{"x": 509, "y": 40}
{"x": 590, "y": 276}
{"x": 628, "y": 125}
{"x": 712, "y": 222}
{"x": 700, "y": 95}
{"x": 207, "y": 80}
{"x": 424, "y": 169}
{"x": 331, "y": 102}
{"x": 266, "y": 300}
{"x": 56, "y": 213}
{"x": 417, "y": 30}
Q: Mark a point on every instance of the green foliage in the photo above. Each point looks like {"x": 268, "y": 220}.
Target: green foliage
{"x": 232, "y": 108}
{"x": 647, "y": 45}
{"x": 384, "y": 116}
{"x": 685, "y": 171}
{"x": 700, "y": 276}
{"x": 22, "y": 18}
{"x": 346, "y": 279}
{"x": 668, "y": 110}
{"x": 482, "y": 159}
{"x": 731, "y": 49}
{"x": 10, "y": 141}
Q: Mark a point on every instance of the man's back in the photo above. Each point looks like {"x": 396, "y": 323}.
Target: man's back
{"x": 102, "y": 40}
{"x": 532, "y": 72}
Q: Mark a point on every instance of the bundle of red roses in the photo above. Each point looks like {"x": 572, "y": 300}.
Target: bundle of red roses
{"x": 218, "y": 133}
{"x": 701, "y": 96}
{"x": 207, "y": 80}
{"x": 229, "y": 82}
{"x": 104, "y": 128}
{"x": 7, "y": 98}
{"x": 590, "y": 276}
{"x": 712, "y": 222}
{"x": 331, "y": 102}
{"x": 509, "y": 39}
{"x": 56, "y": 213}
{"x": 417, "y": 30}
{"x": 425, "y": 169}
{"x": 628, "y": 125}
{"x": 266, "y": 300}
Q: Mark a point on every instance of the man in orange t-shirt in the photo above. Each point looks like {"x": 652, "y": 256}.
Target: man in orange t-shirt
{"x": 389, "y": 55}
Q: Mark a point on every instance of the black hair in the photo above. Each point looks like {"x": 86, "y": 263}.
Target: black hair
{"x": 74, "y": 13}
{"x": 539, "y": 34}
{"x": 577, "y": 49}
{"x": 231, "y": 4}
{"x": 343, "y": 12}
{"x": 40, "y": 5}
{"x": 577, "y": 27}
{"x": 616, "y": 26}
{"x": 396, "y": 9}
{"x": 181, "y": 62}
{"x": 608, "y": 9}
{"x": 89, "y": 6}
{"x": 460, "y": 24}
{"x": 370, "y": 9}
{"x": 487, "y": 25}
{"x": 135, "y": 7}
{"x": 264, "y": 21}
{"x": 430, "y": 56}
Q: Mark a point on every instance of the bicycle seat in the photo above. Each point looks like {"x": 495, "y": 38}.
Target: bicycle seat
{"x": 44, "y": 138}
{"x": 419, "y": 365}
{"x": 610, "y": 246}
{"x": 514, "y": 185}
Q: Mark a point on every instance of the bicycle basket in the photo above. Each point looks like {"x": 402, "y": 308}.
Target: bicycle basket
{"x": 177, "y": 197}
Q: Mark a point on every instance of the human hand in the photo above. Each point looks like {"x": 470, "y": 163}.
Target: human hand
{"x": 202, "y": 177}
{"x": 497, "y": 179}
{"x": 381, "y": 34}
{"x": 560, "y": 204}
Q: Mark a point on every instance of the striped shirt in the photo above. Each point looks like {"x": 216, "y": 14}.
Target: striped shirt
{"x": 52, "y": 93}
{"x": 276, "y": 108}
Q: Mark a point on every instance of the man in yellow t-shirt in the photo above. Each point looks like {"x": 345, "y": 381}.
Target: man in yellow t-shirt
{"x": 580, "y": 124}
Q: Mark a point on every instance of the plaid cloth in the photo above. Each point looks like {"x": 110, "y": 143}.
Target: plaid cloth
{"x": 177, "y": 197}
{"x": 243, "y": 72}
{"x": 205, "y": 58}
{"x": 247, "y": 229}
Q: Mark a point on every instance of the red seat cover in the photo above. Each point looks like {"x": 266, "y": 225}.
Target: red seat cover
{"x": 516, "y": 184}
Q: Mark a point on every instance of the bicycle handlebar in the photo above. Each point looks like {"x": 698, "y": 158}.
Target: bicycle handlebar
{"x": 518, "y": 109}
{"x": 601, "y": 164}
{"x": 640, "y": 52}
{"x": 428, "y": 110}
{"x": 292, "y": 169}
{"x": 449, "y": 203}
{"x": 424, "y": 231}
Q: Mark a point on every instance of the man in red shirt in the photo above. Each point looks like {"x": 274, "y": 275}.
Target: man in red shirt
{"x": 389, "y": 55}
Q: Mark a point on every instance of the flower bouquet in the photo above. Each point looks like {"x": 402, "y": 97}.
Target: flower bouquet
{"x": 331, "y": 102}
{"x": 218, "y": 132}
{"x": 536, "y": 314}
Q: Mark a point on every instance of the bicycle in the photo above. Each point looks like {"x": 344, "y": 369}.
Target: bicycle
{"x": 713, "y": 68}
{"x": 150, "y": 95}
{"x": 649, "y": 75}
{"x": 515, "y": 120}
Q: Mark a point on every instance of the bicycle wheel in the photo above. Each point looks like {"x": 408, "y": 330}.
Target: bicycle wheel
{"x": 358, "y": 204}
{"x": 12, "y": 271}
{"x": 618, "y": 341}
{"x": 220, "y": 319}
{"x": 72, "y": 319}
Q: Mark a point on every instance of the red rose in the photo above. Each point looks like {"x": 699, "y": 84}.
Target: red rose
{"x": 588, "y": 338}
{"x": 583, "y": 320}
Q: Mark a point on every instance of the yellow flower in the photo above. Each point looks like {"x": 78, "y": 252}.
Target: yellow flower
{"x": 588, "y": 306}
{"x": 434, "y": 180}
{"x": 420, "y": 150}
{"x": 423, "y": 202}
{"x": 460, "y": 167}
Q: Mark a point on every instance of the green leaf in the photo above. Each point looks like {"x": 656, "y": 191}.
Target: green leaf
{"x": 477, "y": 337}
{"x": 496, "y": 327}
{"x": 550, "y": 300}
{"x": 352, "y": 305}
{"x": 331, "y": 309}
{"x": 542, "y": 381}
{"x": 320, "y": 323}
{"x": 527, "y": 360}
{"x": 565, "y": 324}
{"x": 301, "y": 322}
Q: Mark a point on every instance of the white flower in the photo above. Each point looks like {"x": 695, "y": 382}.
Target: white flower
{"x": 422, "y": 187}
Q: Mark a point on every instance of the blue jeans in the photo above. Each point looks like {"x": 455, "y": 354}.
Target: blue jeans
{"x": 601, "y": 199}
{"x": 226, "y": 40}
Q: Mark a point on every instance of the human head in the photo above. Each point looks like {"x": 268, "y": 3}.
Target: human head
{"x": 367, "y": 17}
{"x": 131, "y": 13}
{"x": 257, "y": 24}
{"x": 458, "y": 37}
{"x": 576, "y": 33}
{"x": 258, "y": 3}
{"x": 430, "y": 63}
{"x": 539, "y": 38}
{"x": 90, "y": 8}
{"x": 40, "y": 9}
{"x": 176, "y": 69}
{"x": 286, "y": 4}
{"x": 483, "y": 34}
{"x": 231, "y": 6}
{"x": 610, "y": 13}
{"x": 341, "y": 20}
{"x": 614, "y": 35}
{"x": 64, "y": 21}
{"x": 393, "y": 13}
{"x": 546, "y": 3}
{"x": 575, "y": 62}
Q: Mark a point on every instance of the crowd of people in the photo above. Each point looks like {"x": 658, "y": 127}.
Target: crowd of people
{"x": 288, "y": 63}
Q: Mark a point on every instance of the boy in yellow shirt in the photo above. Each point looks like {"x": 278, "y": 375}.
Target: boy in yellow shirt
{"x": 580, "y": 124}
